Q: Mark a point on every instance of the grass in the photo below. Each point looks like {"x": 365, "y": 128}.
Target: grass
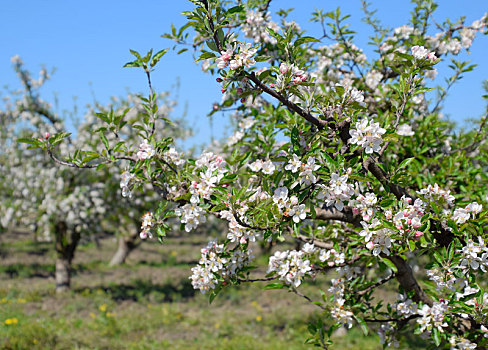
{"x": 146, "y": 304}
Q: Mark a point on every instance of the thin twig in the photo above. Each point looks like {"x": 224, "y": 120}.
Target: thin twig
{"x": 377, "y": 284}
{"x": 307, "y": 298}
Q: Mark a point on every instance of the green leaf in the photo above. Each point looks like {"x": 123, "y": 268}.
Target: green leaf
{"x": 30, "y": 141}
{"x": 157, "y": 57}
{"x": 306, "y": 39}
{"x": 262, "y": 58}
{"x": 405, "y": 163}
{"x": 386, "y": 203}
{"x": 104, "y": 140}
{"x": 135, "y": 53}
{"x": 411, "y": 245}
{"x": 438, "y": 257}
{"x": 58, "y": 138}
{"x": 362, "y": 324}
{"x": 132, "y": 64}
{"x": 436, "y": 335}
{"x": 234, "y": 9}
{"x": 146, "y": 58}
{"x": 205, "y": 55}
{"x": 274, "y": 286}
{"x": 390, "y": 264}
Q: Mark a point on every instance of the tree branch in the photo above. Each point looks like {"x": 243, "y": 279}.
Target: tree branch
{"x": 290, "y": 105}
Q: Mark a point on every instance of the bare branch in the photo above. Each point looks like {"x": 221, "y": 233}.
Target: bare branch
{"x": 308, "y": 298}
{"x": 377, "y": 284}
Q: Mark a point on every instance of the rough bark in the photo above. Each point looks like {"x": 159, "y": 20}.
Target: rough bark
{"x": 65, "y": 244}
{"x": 126, "y": 244}
{"x": 407, "y": 280}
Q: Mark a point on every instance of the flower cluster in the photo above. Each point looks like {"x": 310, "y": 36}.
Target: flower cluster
{"x": 337, "y": 192}
{"x": 289, "y": 75}
{"x": 237, "y": 232}
{"x": 291, "y": 266}
{"x": 147, "y": 224}
{"x": 367, "y": 135}
{"x": 408, "y": 219}
{"x": 387, "y": 333}
{"x": 289, "y": 205}
{"x": 211, "y": 261}
{"x": 244, "y": 57}
{"x": 420, "y": 53}
{"x": 373, "y": 78}
{"x": 437, "y": 195}
{"x": 191, "y": 215}
{"x": 146, "y": 151}
{"x": 306, "y": 175}
{"x": 215, "y": 264}
{"x": 378, "y": 241}
{"x": 405, "y": 306}
{"x": 405, "y": 31}
{"x": 174, "y": 157}
{"x": 332, "y": 257}
{"x": 460, "y": 343}
{"x": 125, "y": 182}
{"x": 256, "y": 26}
{"x": 267, "y": 167}
{"x": 352, "y": 94}
{"x": 214, "y": 168}
{"x": 342, "y": 315}
{"x": 405, "y": 130}
{"x": 365, "y": 205}
{"x": 461, "y": 215}
{"x": 443, "y": 278}
{"x": 474, "y": 255}
{"x": 433, "y": 317}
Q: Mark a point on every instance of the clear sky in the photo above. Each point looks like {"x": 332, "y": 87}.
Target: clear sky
{"x": 88, "y": 42}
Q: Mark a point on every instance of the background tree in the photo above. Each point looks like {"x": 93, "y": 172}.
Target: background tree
{"x": 59, "y": 203}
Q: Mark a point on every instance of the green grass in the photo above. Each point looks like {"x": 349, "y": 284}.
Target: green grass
{"x": 147, "y": 304}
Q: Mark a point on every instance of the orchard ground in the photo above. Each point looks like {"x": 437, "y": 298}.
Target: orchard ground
{"x": 148, "y": 303}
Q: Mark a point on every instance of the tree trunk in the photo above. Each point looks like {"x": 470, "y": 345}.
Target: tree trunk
{"x": 63, "y": 268}
{"x": 65, "y": 249}
{"x": 125, "y": 246}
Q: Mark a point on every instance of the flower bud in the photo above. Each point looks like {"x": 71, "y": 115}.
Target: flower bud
{"x": 418, "y": 234}
{"x": 219, "y": 80}
{"x": 283, "y": 68}
{"x": 46, "y": 135}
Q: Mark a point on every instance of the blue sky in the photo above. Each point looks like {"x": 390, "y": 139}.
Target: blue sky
{"x": 88, "y": 42}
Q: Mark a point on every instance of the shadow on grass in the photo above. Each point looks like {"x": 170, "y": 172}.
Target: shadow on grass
{"x": 28, "y": 270}
{"x": 167, "y": 262}
{"x": 143, "y": 290}
{"x": 31, "y": 270}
